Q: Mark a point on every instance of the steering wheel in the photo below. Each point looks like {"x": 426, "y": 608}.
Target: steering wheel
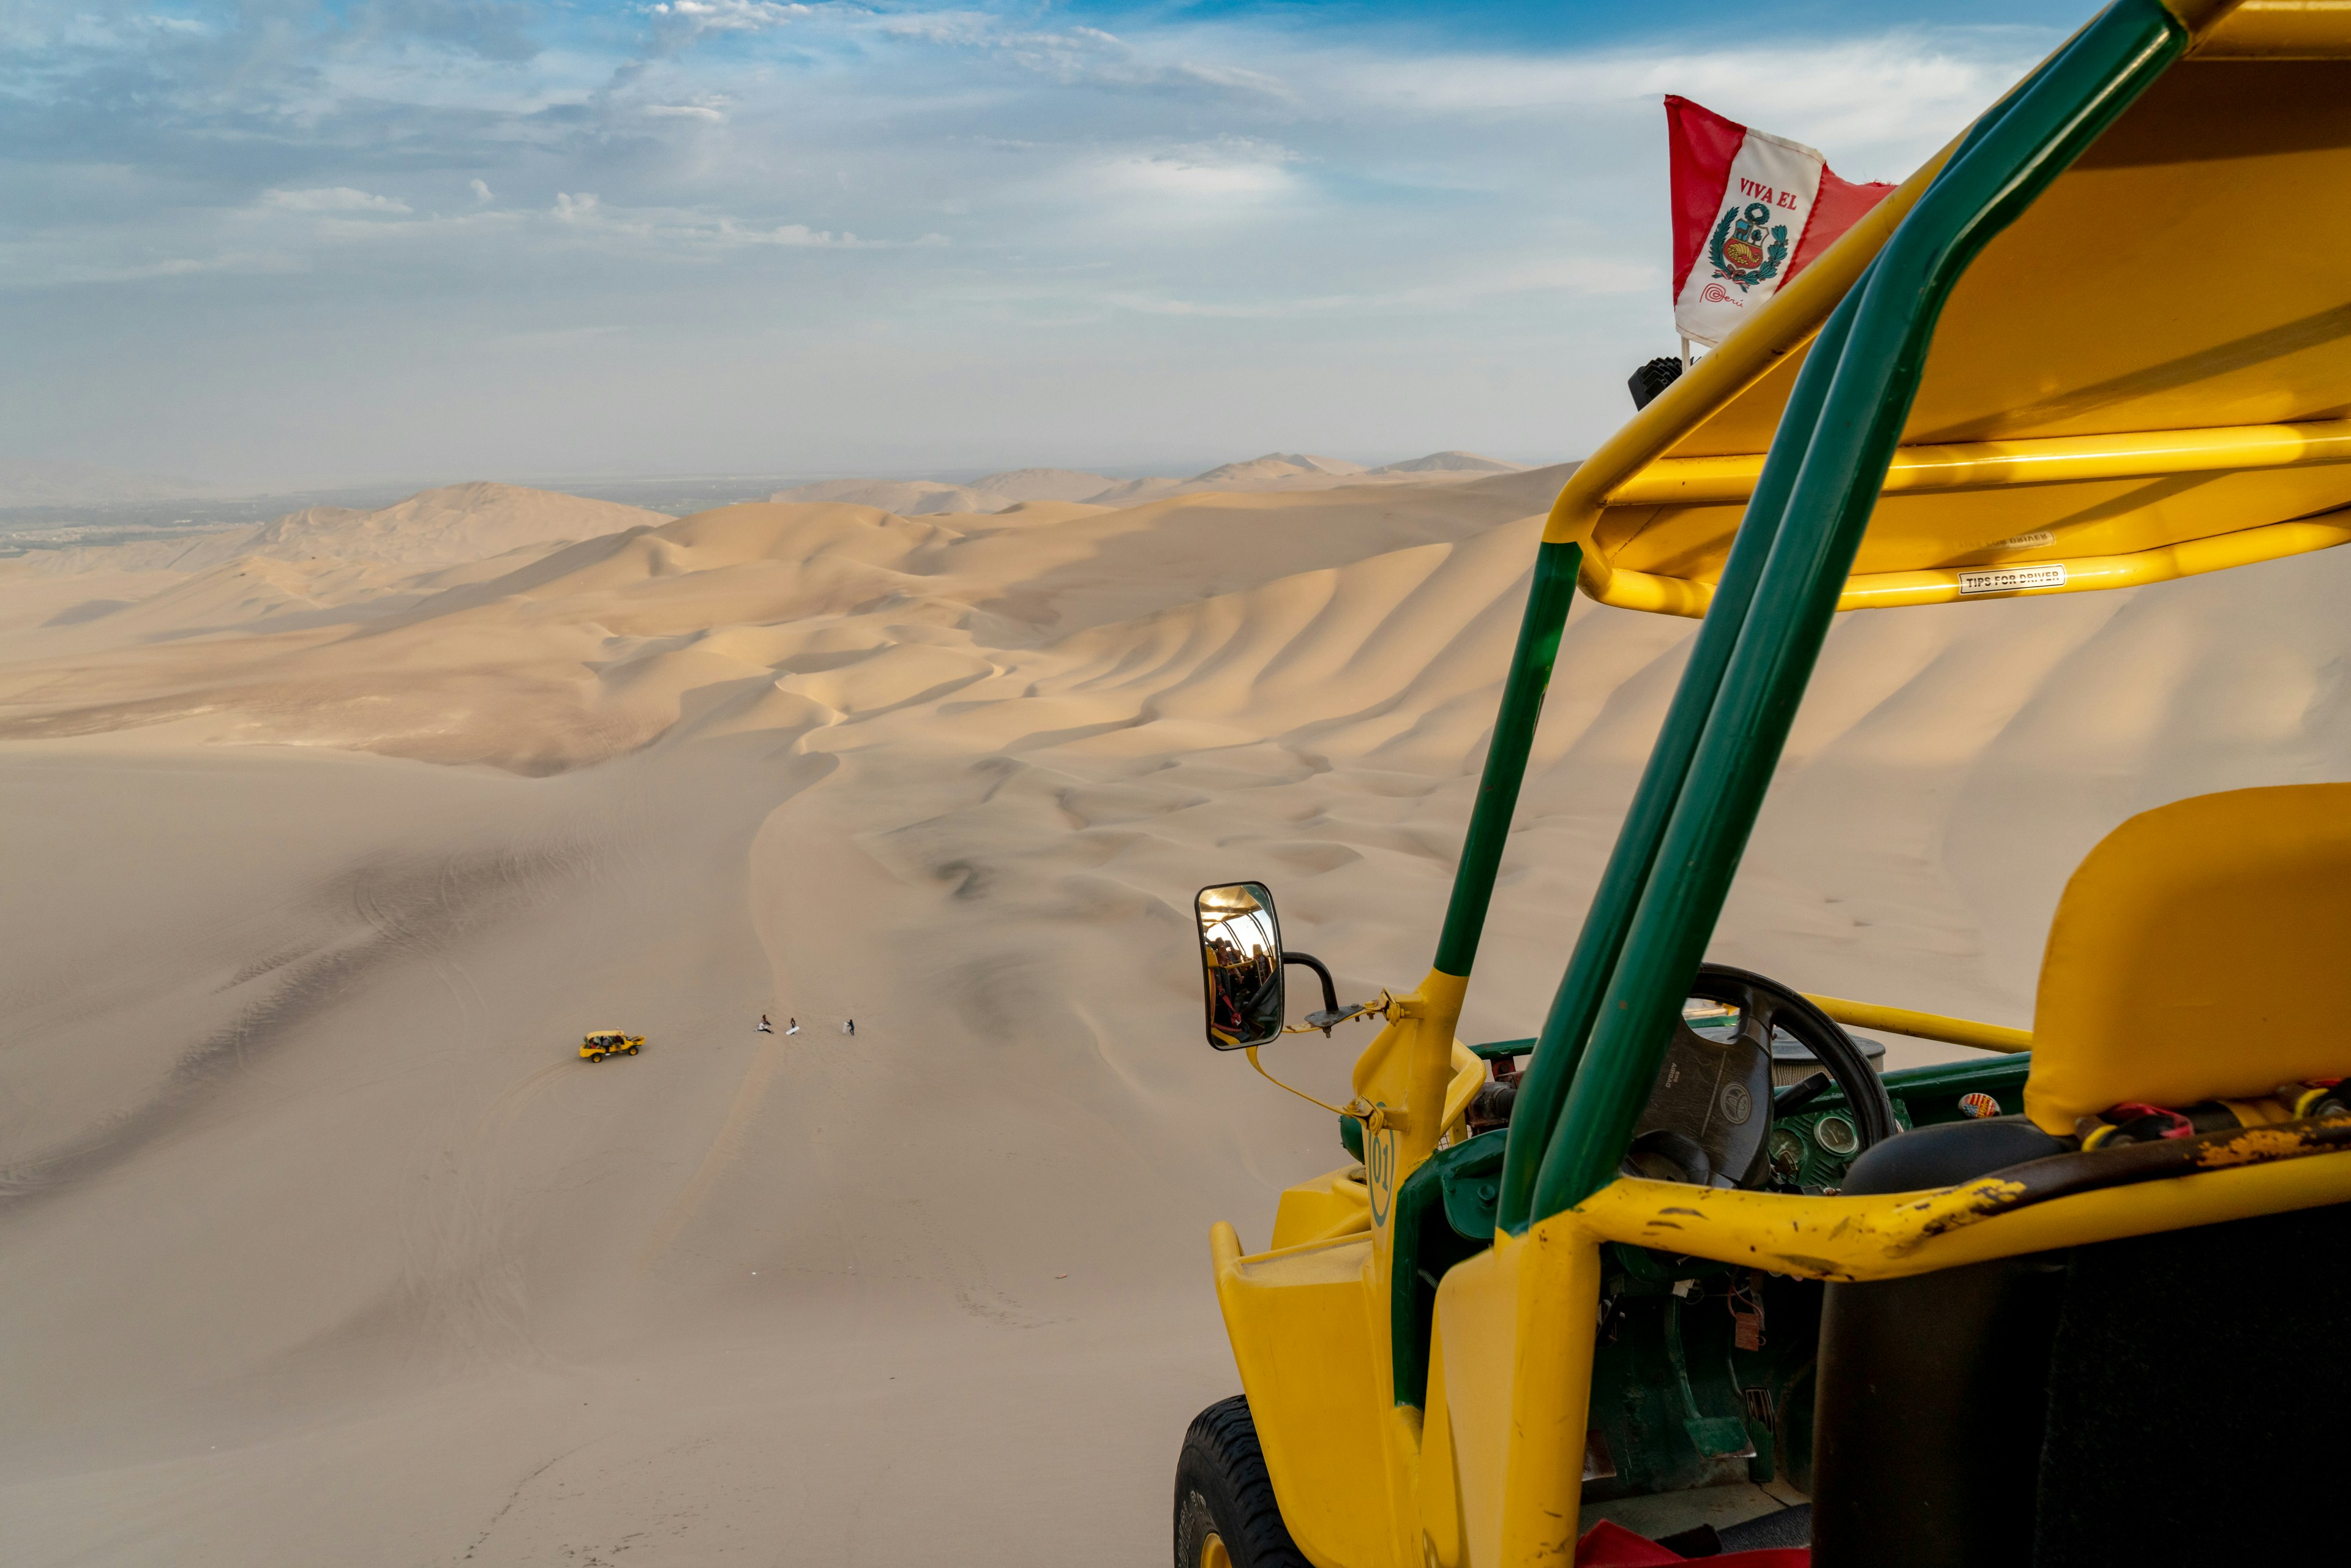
{"x": 1708, "y": 1120}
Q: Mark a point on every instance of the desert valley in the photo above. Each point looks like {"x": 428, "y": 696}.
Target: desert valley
{"x": 329, "y": 837}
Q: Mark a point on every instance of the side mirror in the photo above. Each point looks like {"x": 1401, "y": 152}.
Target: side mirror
{"x": 1240, "y": 962}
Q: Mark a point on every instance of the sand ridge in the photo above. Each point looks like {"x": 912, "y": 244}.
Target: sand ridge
{"x": 1273, "y": 471}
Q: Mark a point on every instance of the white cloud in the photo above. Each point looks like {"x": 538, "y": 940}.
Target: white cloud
{"x": 731, "y": 15}
{"x": 949, "y": 27}
{"x": 228, "y": 262}
{"x": 797, "y": 235}
{"x": 1080, "y": 55}
{"x": 481, "y": 190}
{"x": 685, "y": 112}
{"x": 1180, "y": 176}
{"x": 333, "y": 199}
{"x": 1229, "y": 167}
{"x": 689, "y": 230}
{"x": 1883, "y": 95}
{"x": 801, "y": 236}
{"x": 1567, "y": 274}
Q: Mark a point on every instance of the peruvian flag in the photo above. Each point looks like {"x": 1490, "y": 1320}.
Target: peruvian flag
{"x": 1750, "y": 210}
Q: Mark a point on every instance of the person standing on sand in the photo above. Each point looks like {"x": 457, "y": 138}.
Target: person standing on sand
{"x": 765, "y": 1027}
{"x": 791, "y": 1025}
{"x": 850, "y": 1027}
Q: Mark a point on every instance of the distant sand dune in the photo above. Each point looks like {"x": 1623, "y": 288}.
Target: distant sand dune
{"x": 1274, "y": 471}
{"x": 446, "y": 526}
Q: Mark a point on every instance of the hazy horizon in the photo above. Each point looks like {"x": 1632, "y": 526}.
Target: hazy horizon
{"x": 134, "y": 489}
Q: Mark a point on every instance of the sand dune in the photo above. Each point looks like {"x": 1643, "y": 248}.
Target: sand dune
{"x": 988, "y": 493}
{"x": 1451, "y": 463}
{"x": 446, "y": 526}
{"x": 1274, "y": 471}
{"x": 1279, "y": 466}
{"x": 1297, "y": 471}
{"x": 910, "y": 497}
{"x": 1042, "y": 485}
{"x": 324, "y": 1247}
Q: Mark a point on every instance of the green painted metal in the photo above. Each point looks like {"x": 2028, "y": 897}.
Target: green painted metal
{"x": 1548, "y": 601}
{"x": 1931, "y": 1094}
{"x": 1503, "y": 1049}
{"x": 1471, "y": 1186}
{"x": 1426, "y": 1245}
{"x": 1543, "y": 1091}
{"x": 1818, "y": 1166}
{"x": 1715, "y": 1436}
{"x": 2047, "y": 123}
{"x": 1675, "y": 1400}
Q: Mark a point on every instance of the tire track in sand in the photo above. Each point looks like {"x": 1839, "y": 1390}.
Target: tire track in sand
{"x": 741, "y": 1111}
{"x": 752, "y": 1091}
{"x": 471, "y": 1294}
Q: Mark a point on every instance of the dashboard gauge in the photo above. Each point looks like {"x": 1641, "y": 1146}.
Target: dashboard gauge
{"x": 1837, "y": 1134}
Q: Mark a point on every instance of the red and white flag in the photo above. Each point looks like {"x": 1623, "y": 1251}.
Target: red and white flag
{"x": 1750, "y": 210}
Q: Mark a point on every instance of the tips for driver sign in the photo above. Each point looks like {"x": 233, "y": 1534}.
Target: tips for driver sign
{"x": 1750, "y": 210}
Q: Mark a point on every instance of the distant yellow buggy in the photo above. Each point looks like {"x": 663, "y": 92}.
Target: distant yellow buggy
{"x": 610, "y": 1042}
{"x": 1684, "y": 1255}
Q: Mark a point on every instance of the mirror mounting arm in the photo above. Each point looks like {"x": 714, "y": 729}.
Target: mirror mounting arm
{"x": 1383, "y": 1006}
{"x": 1330, "y": 990}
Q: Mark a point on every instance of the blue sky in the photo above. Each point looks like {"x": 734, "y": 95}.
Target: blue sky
{"x": 284, "y": 243}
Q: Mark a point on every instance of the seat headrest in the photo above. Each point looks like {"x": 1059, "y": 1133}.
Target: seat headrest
{"x": 2198, "y": 953}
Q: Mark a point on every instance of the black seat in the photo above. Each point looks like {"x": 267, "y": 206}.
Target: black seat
{"x": 1948, "y": 1153}
{"x": 2123, "y": 1403}
{"x": 1929, "y": 1408}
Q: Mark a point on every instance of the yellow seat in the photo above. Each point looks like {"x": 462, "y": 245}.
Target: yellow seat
{"x": 2198, "y": 953}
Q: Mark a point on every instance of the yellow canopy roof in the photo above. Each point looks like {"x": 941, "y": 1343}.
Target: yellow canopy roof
{"x": 2148, "y": 376}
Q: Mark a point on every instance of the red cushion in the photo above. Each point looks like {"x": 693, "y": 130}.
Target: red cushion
{"x": 1610, "y": 1545}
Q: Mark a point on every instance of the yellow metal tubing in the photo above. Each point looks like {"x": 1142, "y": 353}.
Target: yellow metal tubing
{"x": 1923, "y": 1026}
{"x": 1550, "y": 1393}
{"x": 1890, "y": 590}
{"x": 2082, "y": 574}
{"x": 2271, "y": 29}
{"x": 1224, "y": 1245}
{"x": 1400, "y": 1083}
{"x": 1894, "y": 1235}
{"x": 1437, "y": 1487}
{"x": 1993, "y": 465}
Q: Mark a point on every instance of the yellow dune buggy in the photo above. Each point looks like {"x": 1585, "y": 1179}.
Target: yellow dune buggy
{"x": 610, "y": 1042}
{"x": 1683, "y": 1260}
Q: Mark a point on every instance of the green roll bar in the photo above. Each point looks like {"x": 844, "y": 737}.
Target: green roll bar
{"x": 1663, "y": 890}
{"x": 1539, "y": 629}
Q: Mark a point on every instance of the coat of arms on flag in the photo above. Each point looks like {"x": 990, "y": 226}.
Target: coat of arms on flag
{"x": 1751, "y": 211}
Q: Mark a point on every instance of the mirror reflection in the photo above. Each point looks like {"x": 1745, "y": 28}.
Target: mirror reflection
{"x": 1240, "y": 957}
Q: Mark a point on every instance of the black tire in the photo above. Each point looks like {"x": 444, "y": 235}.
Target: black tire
{"x": 632, "y": 1051}
{"x": 1223, "y": 1493}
